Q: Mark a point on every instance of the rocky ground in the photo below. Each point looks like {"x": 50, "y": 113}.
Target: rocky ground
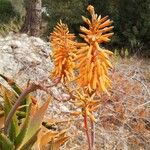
{"x": 24, "y": 58}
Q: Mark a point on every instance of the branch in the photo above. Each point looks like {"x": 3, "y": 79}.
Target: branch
{"x": 146, "y": 88}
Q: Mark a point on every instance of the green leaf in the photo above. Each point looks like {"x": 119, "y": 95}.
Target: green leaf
{"x": 23, "y": 129}
{"x": 30, "y": 142}
{"x": 17, "y": 90}
{"x": 6, "y": 143}
{"x": 1, "y": 106}
{"x": 8, "y": 96}
{"x": 35, "y": 123}
{"x": 13, "y": 85}
{"x": 11, "y": 94}
{"x": 21, "y": 114}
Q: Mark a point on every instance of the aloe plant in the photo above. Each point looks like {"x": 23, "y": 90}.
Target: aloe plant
{"x": 21, "y": 120}
{"x": 21, "y": 133}
{"x": 84, "y": 67}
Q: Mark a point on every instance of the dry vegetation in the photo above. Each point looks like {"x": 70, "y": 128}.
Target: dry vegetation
{"x": 123, "y": 120}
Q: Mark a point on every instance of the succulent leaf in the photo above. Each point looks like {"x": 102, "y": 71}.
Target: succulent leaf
{"x": 35, "y": 123}
{"x": 5, "y": 142}
{"x": 23, "y": 129}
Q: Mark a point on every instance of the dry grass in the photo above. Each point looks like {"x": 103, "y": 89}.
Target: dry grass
{"x": 123, "y": 118}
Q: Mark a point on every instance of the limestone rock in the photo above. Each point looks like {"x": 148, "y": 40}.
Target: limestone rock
{"x": 23, "y": 58}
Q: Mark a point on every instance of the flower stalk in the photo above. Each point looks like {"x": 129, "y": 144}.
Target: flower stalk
{"x": 87, "y": 131}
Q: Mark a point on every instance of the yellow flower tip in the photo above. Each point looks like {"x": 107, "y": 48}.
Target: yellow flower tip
{"x": 60, "y": 21}
{"x": 90, "y": 8}
{"x": 76, "y": 113}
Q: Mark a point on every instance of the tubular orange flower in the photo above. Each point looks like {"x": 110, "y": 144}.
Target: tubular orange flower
{"x": 63, "y": 52}
{"x": 93, "y": 61}
{"x": 87, "y": 104}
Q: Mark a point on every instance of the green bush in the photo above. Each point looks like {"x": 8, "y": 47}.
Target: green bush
{"x": 69, "y": 11}
{"x": 7, "y": 11}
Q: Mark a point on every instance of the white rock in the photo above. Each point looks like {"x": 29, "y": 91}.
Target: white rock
{"x": 63, "y": 108}
{"x": 23, "y": 57}
{"x": 15, "y": 44}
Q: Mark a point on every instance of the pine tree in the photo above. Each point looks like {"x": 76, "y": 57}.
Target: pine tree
{"x": 32, "y": 21}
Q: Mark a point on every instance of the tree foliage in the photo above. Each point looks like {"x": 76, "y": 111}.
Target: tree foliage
{"x": 132, "y": 26}
{"x": 7, "y": 11}
{"x": 131, "y": 19}
{"x": 67, "y": 10}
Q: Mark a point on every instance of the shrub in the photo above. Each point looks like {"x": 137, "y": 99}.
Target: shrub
{"x": 90, "y": 62}
{"x": 7, "y": 11}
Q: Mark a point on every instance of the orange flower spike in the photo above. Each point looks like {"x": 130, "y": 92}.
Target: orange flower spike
{"x": 93, "y": 61}
{"x": 87, "y": 104}
{"x": 64, "y": 48}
